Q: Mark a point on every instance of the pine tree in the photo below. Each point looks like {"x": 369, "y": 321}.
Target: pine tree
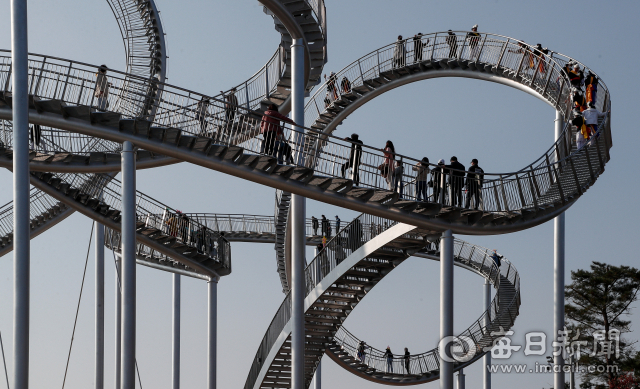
{"x": 600, "y": 299}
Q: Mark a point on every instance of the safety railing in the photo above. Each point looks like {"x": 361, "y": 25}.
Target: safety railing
{"x": 212, "y": 244}
{"x": 39, "y": 204}
{"x": 558, "y": 175}
{"x": 349, "y": 239}
{"x": 502, "y": 312}
{"x": 150, "y": 212}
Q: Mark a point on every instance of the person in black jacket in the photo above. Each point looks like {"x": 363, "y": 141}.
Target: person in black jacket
{"x": 475, "y": 178}
{"x": 418, "y": 47}
{"x": 407, "y": 360}
{"x": 354, "y": 158}
{"x": 314, "y": 225}
{"x": 452, "y": 41}
{"x": 456, "y": 180}
{"x": 437, "y": 181}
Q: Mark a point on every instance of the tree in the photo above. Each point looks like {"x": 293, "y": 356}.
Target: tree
{"x": 597, "y": 303}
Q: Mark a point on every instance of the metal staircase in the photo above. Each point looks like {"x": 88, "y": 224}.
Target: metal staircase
{"x": 283, "y": 201}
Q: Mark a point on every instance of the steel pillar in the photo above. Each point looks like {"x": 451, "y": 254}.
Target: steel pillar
{"x": 486, "y": 374}
{"x": 118, "y": 315}
{"x": 558, "y": 277}
{"x": 212, "y": 287}
{"x": 175, "y": 344}
{"x": 128, "y": 267}
{"x": 99, "y": 247}
{"x": 446, "y": 306}
{"x": 461, "y": 379}
{"x": 298, "y": 210}
{"x": 21, "y": 232}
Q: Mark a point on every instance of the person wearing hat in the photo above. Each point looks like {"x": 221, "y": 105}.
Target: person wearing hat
{"x": 388, "y": 356}
{"x": 399, "y": 53}
{"x": 438, "y": 181}
{"x": 354, "y": 158}
{"x": 576, "y": 76}
{"x": 474, "y": 39}
{"x": 456, "y": 179}
{"x": 452, "y": 41}
{"x": 102, "y": 88}
{"x": 418, "y": 47}
{"x": 422, "y": 169}
{"x": 475, "y": 178}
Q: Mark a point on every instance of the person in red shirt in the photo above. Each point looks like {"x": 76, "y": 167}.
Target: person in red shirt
{"x": 270, "y": 128}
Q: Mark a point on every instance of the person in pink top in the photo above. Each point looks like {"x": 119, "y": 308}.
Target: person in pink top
{"x": 270, "y": 128}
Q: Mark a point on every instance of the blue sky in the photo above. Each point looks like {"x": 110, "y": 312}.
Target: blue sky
{"x": 217, "y": 44}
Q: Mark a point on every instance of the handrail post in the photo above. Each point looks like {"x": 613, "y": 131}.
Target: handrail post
{"x": 433, "y": 47}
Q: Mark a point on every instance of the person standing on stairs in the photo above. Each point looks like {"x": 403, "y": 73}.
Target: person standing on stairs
{"x": 270, "y": 128}
{"x": 456, "y": 178}
{"x": 407, "y": 361}
{"x": 102, "y": 89}
{"x": 387, "y": 169}
{"x": 314, "y": 225}
{"x": 582, "y": 132}
{"x": 388, "y": 356}
{"x": 230, "y": 107}
{"x": 362, "y": 354}
{"x": 452, "y": 41}
{"x": 591, "y": 83}
{"x": 474, "y": 40}
{"x": 399, "y": 53}
{"x": 201, "y": 114}
{"x": 354, "y": 158}
{"x": 496, "y": 258}
{"x": 418, "y": 47}
{"x": 438, "y": 181}
{"x": 337, "y": 224}
{"x": 422, "y": 169}
{"x": 475, "y": 178}
{"x": 591, "y": 116}
{"x": 325, "y": 225}
{"x": 331, "y": 85}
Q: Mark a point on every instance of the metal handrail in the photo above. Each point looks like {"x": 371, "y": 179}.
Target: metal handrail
{"x": 176, "y": 107}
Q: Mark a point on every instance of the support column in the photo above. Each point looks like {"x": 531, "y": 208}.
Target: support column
{"x": 21, "y": 255}
{"x": 558, "y": 277}
{"x": 118, "y": 315}
{"x": 486, "y": 374}
{"x": 175, "y": 344}
{"x": 446, "y": 306}
{"x": 212, "y": 287}
{"x": 99, "y": 247}
{"x": 461, "y": 379}
{"x": 128, "y": 268}
{"x": 298, "y": 211}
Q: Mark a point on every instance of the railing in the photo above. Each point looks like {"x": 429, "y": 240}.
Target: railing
{"x": 479, "y": 259}
{"x": 39, "y": 204}
{"x": 534, "y": 186}
{"x": 214, "y": 245}
{"x": 349, "y": 239}
{"x": 148, "y": 211}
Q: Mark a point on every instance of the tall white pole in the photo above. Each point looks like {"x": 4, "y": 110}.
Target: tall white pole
{"x": 175, "y": 344}
{"x": 21, "y": 255}
{"x": 558, "y": 277}
{"x": 446, "y": 306}
{"x": 99, "y": 247}
{"x": 118, "y": 334}
{"x": 128, "y": 268}
{"x": 486, "y": 374}
{"x": 298, "y": 210}
{"x": 212, "y": 350}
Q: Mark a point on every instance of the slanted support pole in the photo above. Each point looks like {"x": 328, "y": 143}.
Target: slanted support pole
{"x": 558, "y": 277}
{"x": 128, "y": 267}
{"x": 298, "y": 211}
{"x": 212, "y": 351}
{"x": 175, "y": 341}
{"x": 446, "y": 307}
{"x": 99, "y": 330}
{"x": 21, "y": 230}
{"x": 486, "y": 374}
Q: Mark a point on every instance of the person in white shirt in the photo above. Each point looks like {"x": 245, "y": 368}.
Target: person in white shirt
{"x": 591, "y": 116}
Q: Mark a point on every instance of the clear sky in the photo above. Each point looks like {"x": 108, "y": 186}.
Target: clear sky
{"x": 214, "y": 45}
